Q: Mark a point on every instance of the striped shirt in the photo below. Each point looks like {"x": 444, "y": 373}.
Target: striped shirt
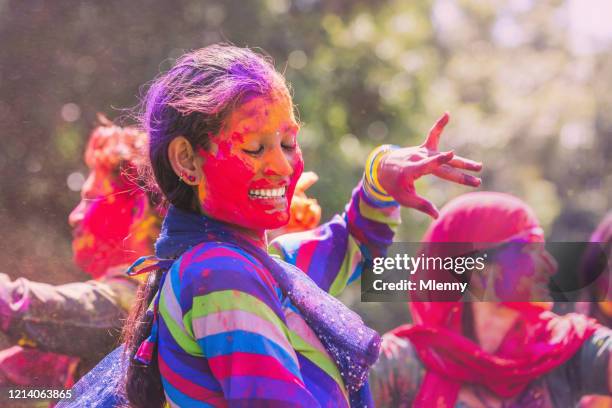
{"x": 229, "y": 337}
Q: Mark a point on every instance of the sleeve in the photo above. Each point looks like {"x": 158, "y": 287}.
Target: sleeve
{"x": 395, "y": 378}
{"x": 335, "y": 253}
{"x": 237, "y": 321}
{"x": 593, "y": 363}
{"x": 81, "y": 319}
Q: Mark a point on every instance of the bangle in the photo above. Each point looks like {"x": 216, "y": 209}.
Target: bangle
{"x": 372, "y": 186}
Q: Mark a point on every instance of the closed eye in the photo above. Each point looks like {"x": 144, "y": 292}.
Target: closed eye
{"x": 254, "y": 152}
{"x": 289, "y": 147}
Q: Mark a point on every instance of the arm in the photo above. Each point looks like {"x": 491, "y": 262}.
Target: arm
{"x": 396, "y": 376}
{"x": 258, "y": 365}
{"x": 595, "y": 363}
{"x": 79, "y": 319}
{"x": 588, "y": 372}
{"x": 335, "y": 253}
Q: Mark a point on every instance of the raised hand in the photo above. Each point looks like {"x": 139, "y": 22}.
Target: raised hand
{"x": 305, "y": 212}
{"x": 400, "y": 168}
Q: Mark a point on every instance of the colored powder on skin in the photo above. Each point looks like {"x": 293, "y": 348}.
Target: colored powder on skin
{"x": 116, "y": 227}
{"x": 249, "y": 154}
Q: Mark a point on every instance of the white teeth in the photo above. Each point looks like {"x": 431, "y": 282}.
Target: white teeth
{"x": 273, "y": 192}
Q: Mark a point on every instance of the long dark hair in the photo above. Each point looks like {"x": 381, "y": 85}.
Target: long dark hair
{"x": 192, "y": 100}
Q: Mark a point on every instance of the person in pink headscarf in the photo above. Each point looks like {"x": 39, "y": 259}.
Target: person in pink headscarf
{"x": 58, "y": 332}
{"x": 493, "y": 354}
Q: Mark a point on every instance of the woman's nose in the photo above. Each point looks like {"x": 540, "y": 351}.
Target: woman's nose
{"x": 77, "y": 215}
{"x": 278, "y": 163}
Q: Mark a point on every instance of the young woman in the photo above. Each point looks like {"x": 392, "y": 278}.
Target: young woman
{"x": 486, "y": 354}
{"x": 230, "y": 327}
{"x": 222, "y": 323}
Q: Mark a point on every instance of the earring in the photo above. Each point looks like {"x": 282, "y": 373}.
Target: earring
{"x": 189, "y": 177}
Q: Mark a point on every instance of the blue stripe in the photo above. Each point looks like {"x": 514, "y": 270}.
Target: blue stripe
{"x": 175, "y": 281}
{"x": 196, "y": 369}
{"x": 356, "y": 274}
{"x": 320, "y": 384}
{"x": 236, "y": 341}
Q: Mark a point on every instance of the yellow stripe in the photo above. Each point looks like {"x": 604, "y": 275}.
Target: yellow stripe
{"x": 347, "y": 268}
{"x": 223, "y": 300}
{"x": 321, "y": 360}
{"x": 235, "y": 300}
{"x": 187, "y": 344}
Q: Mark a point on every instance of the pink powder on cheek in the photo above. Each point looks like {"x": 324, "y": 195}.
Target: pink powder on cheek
{"x": 298, "y": 169}
{"x": 100, "y": 238}
{"x": 237, "y": 137}
{"x": 223, "y": 193}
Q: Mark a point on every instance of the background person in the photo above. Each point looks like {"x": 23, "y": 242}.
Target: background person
{"x": 493, "y": 354}
{"x": 61, "y": 331}
{"x": 595, "y": 273}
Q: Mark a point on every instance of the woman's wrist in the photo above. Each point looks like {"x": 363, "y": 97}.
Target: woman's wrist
{"x": 371, "y": 178}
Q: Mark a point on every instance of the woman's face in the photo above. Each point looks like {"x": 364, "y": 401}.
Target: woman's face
{"x": 112, "y": 224}
{"x": 253, "y": 164}
{"x": 523, "y": 271}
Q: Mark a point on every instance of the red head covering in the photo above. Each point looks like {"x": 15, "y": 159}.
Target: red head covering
{"x": 540, "y": 343}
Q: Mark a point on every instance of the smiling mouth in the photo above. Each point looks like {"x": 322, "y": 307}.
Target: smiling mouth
{"x": 273, "y": 193}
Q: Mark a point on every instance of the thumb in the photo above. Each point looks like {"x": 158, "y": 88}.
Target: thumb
{"x": 306, "y": 180}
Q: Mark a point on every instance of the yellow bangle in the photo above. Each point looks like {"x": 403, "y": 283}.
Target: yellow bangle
{"x": 372, "y": 185}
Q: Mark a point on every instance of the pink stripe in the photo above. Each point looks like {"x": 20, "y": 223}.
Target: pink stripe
{"x": 247, "y": 364}
{"x": 298, "y": 325}
{"x": 188, "y": 388}
{"x": 228, "y": 320}
{"x": 305, "y": 254}
{"x": 185, "y": 261}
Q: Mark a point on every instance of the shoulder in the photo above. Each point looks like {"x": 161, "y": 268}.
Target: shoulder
{"x": 398, "y": 373}
{"x": 218, "y": 267}
{"x": 586, "y": 372}
{"x": 397, "y": 352}
{"x": 594, "y": 354}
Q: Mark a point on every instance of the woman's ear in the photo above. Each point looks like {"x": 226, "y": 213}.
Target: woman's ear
{"x": 185, "y": 162}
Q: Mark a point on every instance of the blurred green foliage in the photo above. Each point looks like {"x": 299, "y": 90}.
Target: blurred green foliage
{"x": 523, "y": 99}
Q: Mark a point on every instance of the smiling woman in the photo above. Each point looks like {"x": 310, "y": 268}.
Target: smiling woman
{"x": 224, "y": 152}
{"x": 221, "y": 321}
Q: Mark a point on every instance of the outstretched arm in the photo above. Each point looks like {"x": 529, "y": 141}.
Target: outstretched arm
{"x": 395, "y": 170}
{"x": 335, "y": 253}
{"x": 80, "y": 319}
